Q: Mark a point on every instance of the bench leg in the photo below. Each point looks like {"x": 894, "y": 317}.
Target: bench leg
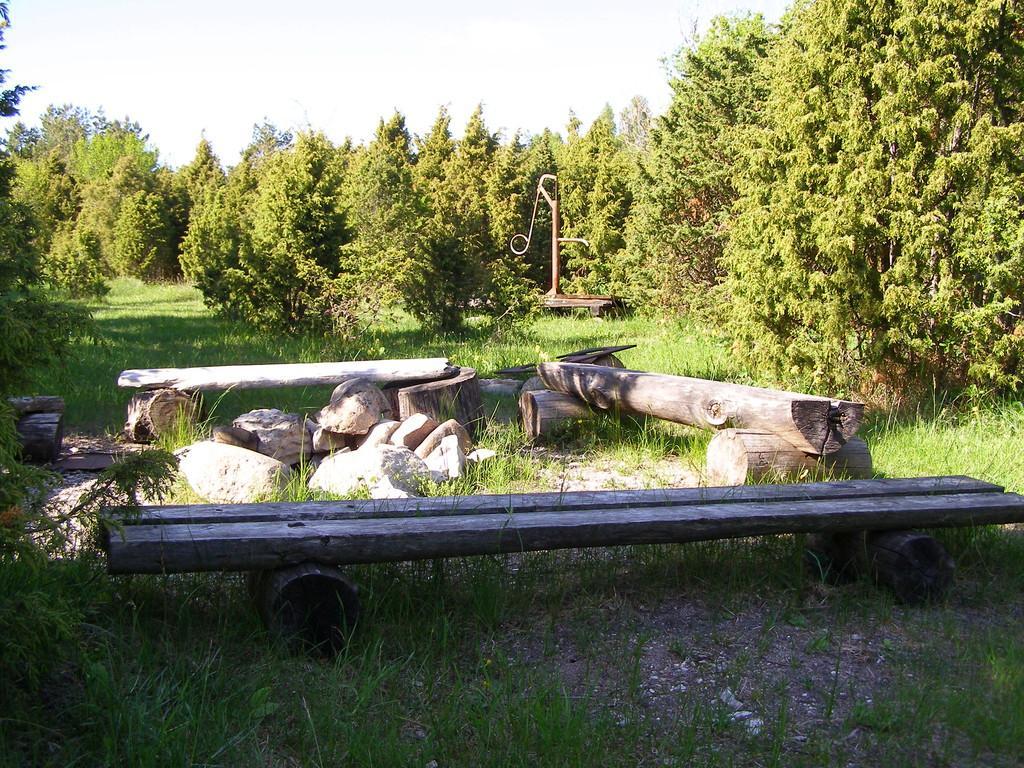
{"x": 914, "y": 565}
{"x": 310, "y": 606}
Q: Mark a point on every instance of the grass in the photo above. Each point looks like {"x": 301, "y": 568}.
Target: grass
{"x": 589, "y": 658}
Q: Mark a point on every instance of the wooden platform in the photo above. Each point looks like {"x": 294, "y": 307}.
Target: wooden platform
{"x": 597, "y": 305}
{"x": 270, "y": 536}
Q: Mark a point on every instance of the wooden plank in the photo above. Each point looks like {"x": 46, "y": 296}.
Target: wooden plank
{"x": 543, "y": 412}
{"x": 503, "y": 504}
{"x": 220, "y": 377}
{"x": 252, "y": 546}
{"x": 809, "y": 423}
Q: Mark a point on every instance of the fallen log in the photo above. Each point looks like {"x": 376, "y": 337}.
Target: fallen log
{"x": 736, "y": 455}
{"x": 37, "y": 404}
{"x": 154, "y": 412}
{"x": 544, "y": 413}
{"x": 809, "y": 423}
{"x": 222, "y": 377}
{"x": 456, "y": 398}
{"x": 41, "y": 436}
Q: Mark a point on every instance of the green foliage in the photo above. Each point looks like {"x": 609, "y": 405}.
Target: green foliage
{"x": 271, "y": 247}
{"x": 595, "y": 176}
{"x": 142, "y": 238}
{"x": 679, "y": 225}
{"x": 385, "y": 212}
{"x": 880, "y": 220}
{"x": 202, "y": 174}
{"x": 45, "y": 187}
{"x": 75, "y": 264}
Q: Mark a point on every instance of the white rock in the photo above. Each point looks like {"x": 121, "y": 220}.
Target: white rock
{"x": 346, "y": 473}
{"x": 413, "y": 431}
{"x": 728, "y": 698}
{"x": 379, "y": 433}
{"x": 480, "y": 455}
{"x": 447, "y": 458}
{"x": 328, "y": 442}
{"x": 283, "y": 436}
{"x": 228, "y": 474}
{"x": 356, "y": 405}
{"x": 383, "y": 489}
{"x": 339, "y": 473}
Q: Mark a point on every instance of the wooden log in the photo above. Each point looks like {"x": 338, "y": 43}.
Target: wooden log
{"x": 914, "y": 565}
{"x": 37, "y": 404}
{"x": 221, "y": 377}
{"x": 524, "y": 503}
{"x": 455, "y": 398}
{"x": 41, "y": 436}
{"x": 153, "y": 412}
{"x": 253, "y": 546}
{"x": 735, "y": 456}
{"x": 545, "y": 413}
{"x": 811, "y": 424}
{"x": 311, "y": 607}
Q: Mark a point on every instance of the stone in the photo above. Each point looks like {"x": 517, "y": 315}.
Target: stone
{"x": 237, "y": 436}
{"x": 448, "y": 458}
{"x": 480, "y": 455}
{"x": 282, "y": 436}
{"x": 339, "y": 473}
{"x": 433, "y": 440}
{"x": 383, "y": 489}
{"x": 379, "y": 433}
{"x": 356, "y": 405}
{"x": 227, "y": 474}
{"x": 329, "y": 442}
{"x": 346, "y": 473}
{"x": 413, "y": 431}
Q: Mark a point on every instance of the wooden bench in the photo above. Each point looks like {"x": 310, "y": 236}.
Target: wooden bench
{"x": 295, "y": 548}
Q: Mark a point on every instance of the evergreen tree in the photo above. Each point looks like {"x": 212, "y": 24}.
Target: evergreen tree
{"x": 75, "y": 263}
{"x": 678, "y": 226}
{"x": 385, "y": 211}
{"x": 595, "y": 177}
{"x": 142, "y": 242}
{"x": 202, "y": 174}
{"x": 433, "y": 286}
{"x": 539, "y": 159}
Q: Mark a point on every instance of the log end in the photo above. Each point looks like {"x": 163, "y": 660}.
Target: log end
{"x": 311, "y": 607}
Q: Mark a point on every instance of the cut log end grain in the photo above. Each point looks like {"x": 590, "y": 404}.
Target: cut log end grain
{"x": 154, "y": 412}
{"x": 736, "y": 456}
{"x": 311, "y": 607}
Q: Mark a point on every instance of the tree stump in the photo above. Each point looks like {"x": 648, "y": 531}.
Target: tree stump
{"x": 311, "y": 607}
{"x": 735, "y": 456}
{"x": 41, "y": 436}
{"x": 455, "y": 398}
{"x": 155, "y": 411}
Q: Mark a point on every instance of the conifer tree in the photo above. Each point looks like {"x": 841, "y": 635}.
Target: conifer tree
{"x": 385, "y": 211}
{"x": 881, "y": 214}
{"x": 678, "y": 226}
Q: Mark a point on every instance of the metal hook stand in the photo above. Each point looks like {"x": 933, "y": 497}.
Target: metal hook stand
{"x": 519, "y": 244}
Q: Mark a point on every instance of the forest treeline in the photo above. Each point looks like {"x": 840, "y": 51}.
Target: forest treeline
{"x": 841, "y": 194}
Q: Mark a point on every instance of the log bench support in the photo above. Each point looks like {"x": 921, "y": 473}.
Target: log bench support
{"x": 305, "y": 599}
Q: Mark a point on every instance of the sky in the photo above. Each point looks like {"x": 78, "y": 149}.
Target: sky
{"x": 188, "y": 69}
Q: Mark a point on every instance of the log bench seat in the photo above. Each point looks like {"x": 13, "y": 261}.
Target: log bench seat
{"x": 296, "y": 547}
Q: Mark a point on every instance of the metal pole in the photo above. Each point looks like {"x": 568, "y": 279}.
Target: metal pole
{"x": 556, "y": 244}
